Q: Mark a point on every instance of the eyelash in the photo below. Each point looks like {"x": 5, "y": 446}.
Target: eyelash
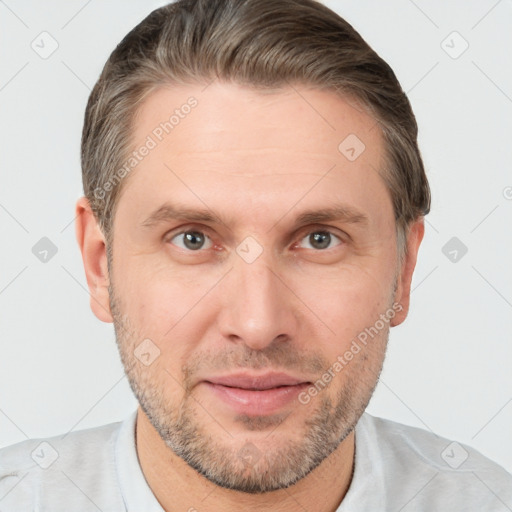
{"x": 307, "y": 234}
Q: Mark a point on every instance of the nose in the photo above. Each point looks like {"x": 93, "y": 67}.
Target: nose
{"x": 257, "y": 308}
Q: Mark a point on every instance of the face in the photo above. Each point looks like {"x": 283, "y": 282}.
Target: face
{"x": 251, "y": 255}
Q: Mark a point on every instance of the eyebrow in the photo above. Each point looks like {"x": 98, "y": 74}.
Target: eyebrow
{"x": 168, "y": 212}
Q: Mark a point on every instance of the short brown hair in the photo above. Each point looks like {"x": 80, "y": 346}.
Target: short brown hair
{"x": 259, "y": 43}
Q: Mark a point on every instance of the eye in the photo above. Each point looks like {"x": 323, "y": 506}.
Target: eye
{"x": 191, "y": 240}
{"x": 319, "y": 240}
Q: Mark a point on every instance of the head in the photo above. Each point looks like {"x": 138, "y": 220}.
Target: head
{"x": 254, "y": 202}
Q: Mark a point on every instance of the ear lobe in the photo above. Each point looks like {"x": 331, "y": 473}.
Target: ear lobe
{"x": 93, "y": 248}
{"x": 403, "y": 291}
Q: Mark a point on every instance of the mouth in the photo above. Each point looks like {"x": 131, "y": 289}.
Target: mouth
{"x": 255, "y": 388}
{"x": 256, "y": 395}
{"x": 261, "y": 382}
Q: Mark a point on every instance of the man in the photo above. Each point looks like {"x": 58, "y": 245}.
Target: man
{"x": 253, "y": 210}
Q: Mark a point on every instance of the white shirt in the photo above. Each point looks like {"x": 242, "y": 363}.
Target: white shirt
{"x": 397, "y": 468}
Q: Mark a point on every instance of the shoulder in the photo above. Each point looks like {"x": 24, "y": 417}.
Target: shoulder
{"x": 26, "y": 453}
{"x": 74, "y": 467}
{"x": 429, "y": 448}
{"x": 419, "y": 470}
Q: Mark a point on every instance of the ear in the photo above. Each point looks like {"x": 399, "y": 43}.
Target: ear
{"x": 403, "y": 291}
{"x": 94, "y": 255}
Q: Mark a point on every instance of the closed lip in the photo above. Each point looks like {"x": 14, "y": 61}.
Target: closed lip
{"x": 257, "y": 382}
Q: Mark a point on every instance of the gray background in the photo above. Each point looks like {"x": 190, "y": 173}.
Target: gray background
{"x": 448, "y": 367}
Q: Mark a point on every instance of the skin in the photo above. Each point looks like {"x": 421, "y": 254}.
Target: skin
{"x": 256, "y": 161}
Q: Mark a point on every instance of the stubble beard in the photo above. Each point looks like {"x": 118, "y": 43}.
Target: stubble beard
{"x": 219, "y": 457}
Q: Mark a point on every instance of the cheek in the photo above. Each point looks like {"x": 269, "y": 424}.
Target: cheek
{"x": 347, "y": 304}
{"x": 152, "y": 292}
{"x": 171, "y": 308}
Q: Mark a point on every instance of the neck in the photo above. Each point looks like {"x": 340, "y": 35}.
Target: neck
{"x": 179, "y": 487}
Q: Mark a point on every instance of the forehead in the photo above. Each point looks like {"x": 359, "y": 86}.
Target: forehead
{"x": 259, "y": 150}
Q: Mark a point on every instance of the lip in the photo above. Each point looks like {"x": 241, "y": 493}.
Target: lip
{"x": 256, "y": 395}
{"x": 256, "y": 382}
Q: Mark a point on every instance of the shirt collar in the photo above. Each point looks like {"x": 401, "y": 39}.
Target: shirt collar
{"x": 137, "y": 494}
